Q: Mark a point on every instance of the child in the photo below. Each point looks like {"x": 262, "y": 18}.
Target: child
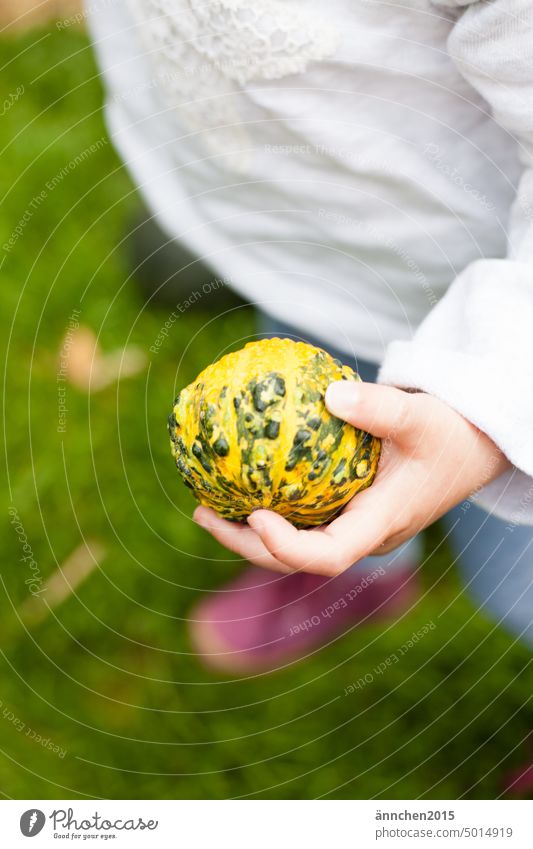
{"x": 361, "y": 170}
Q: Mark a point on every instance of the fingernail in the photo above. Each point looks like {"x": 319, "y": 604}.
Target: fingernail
{"x": 341, "y": 397}
{"x": 255, "y": 522}
{"x": 197, "y": 516}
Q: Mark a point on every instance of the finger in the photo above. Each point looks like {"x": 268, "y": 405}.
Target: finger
{"x": 381, "y": 410}
{"x": 328, "y": 550}
{"x": 240, "y": 539}
{"x": 300, "y": 550}
{"x": 367, "y": 523}
{"x": 369, "y": 520}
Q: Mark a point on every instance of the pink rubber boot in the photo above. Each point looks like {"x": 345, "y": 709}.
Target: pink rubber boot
{"x": 520, "y": 782}
{"x": 262, "y": 621}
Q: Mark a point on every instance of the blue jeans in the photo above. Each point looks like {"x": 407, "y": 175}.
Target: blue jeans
{"x": 494, "y": 558}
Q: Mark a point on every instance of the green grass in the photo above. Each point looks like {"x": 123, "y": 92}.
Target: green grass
{"x": 109, "y": 676}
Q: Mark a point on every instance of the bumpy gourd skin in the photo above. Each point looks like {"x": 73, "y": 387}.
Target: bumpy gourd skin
{"x": 253, "y": 431}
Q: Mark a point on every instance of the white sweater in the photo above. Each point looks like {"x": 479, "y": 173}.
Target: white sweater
{"x": 361, "y": 169}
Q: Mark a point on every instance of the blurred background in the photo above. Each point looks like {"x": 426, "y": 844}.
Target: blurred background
{"x": 100, "y": 692}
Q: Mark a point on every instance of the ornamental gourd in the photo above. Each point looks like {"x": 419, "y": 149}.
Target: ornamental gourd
{"x": 252, "y": 431}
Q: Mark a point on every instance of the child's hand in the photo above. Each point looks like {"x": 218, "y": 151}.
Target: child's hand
{"x": 431, "y": 459}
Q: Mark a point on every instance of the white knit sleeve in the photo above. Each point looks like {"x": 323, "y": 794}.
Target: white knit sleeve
{"x": 475, "y": 348}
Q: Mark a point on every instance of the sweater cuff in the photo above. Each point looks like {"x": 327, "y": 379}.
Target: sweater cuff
{"x": 482, "y": 393}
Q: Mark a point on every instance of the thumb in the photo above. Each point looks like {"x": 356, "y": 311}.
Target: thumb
{"x": 381, "y": 410}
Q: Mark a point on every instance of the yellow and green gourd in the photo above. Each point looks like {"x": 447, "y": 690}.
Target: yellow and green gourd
{"x": 252, "y": 431}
